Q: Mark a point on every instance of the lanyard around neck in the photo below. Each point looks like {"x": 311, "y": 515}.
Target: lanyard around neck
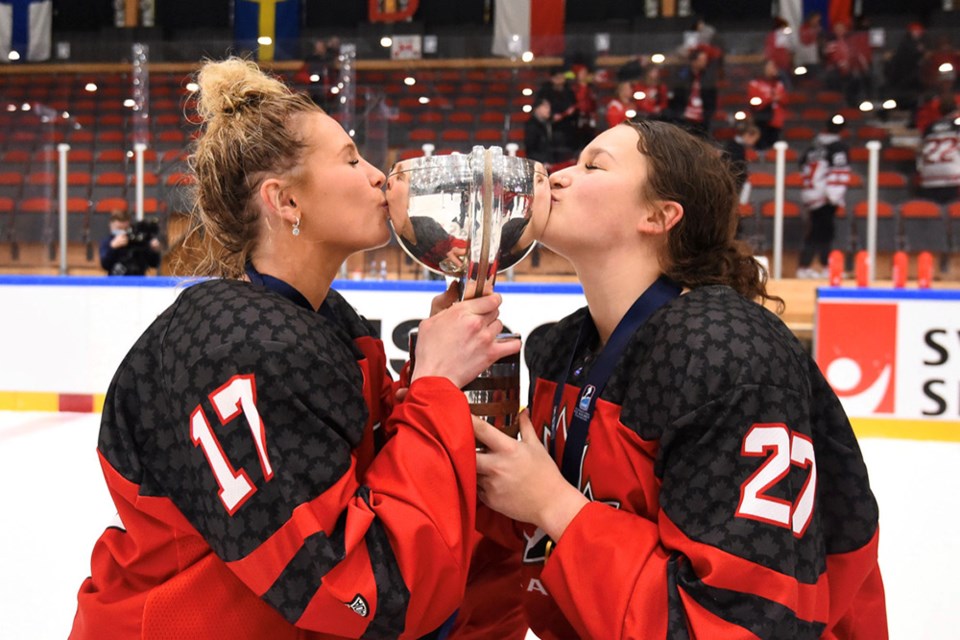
{"x": 282, "y": 288}
{"x": 655, "y": 296}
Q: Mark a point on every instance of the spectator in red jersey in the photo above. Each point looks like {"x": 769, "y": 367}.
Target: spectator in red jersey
{"x": 651, "y": 94}
{"x": 620, "y": 107}
{"x": 703, "y": 37}
{"x": 766, "y": 96}
{"x": 941, "y": 66}
{"x": 845, "y": 66}
{"x": 694, "y": 99}
{"x": 778, "y": 47}
{"x": 929, "y": 110}
{"x": 859, "y": 39}
{"x": 809, "y": 43}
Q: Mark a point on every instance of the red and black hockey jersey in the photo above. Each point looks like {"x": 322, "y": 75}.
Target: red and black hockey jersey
{"x": 238, "y": 444}
{"x": 938, "y": 162}
{"x": 728, "y": 495}
{"x": 826, "y": 171}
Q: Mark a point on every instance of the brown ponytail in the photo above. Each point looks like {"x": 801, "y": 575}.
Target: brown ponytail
{"x": 701, "y": 249}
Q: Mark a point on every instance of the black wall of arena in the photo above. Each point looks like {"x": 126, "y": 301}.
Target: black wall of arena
{"x": 348, "y": 14}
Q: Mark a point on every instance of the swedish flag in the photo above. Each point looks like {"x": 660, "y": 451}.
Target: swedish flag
{"x": 279, "y": 20}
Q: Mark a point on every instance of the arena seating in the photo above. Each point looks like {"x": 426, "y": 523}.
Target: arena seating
{"x": 464, "y": 107}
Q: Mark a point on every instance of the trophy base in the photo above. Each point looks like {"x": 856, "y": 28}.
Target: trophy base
{"x": 494, "y": 395}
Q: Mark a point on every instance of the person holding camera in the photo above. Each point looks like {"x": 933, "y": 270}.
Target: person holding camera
{"x": 129, "y": 250}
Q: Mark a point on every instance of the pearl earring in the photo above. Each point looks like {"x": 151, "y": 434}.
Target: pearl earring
{"x": 296, "y": 227}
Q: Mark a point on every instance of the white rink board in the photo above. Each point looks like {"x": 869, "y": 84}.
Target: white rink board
{"x": 70, "y": 338}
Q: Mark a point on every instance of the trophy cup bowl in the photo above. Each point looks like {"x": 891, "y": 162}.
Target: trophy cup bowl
{"x": 471, "y": 216}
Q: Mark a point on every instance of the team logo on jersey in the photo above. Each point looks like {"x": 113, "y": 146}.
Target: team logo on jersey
{"x": 856, "y": 350}
{"x": 586, "y": 397}
{"x": 359, "y": 606}
{"x": 535, "y": 545}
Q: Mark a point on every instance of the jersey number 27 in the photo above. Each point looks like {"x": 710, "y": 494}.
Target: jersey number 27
{"x": 238, "y": 395}
{"x": 783, "y": 448}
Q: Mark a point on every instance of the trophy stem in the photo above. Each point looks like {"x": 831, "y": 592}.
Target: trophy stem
{"x": 483, "y": 268}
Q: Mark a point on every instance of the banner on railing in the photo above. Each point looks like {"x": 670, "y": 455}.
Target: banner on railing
{"x": 891, "y": 354}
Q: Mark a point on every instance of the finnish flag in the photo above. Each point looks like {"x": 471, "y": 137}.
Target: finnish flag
{"x": 25, "y": 27}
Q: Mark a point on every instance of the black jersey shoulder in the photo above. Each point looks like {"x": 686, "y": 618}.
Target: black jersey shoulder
{"x": 700, "y": 347}
{"x": 212, "y": 331}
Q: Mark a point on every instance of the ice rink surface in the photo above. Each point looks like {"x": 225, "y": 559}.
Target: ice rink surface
{"x": 55, "y": 505}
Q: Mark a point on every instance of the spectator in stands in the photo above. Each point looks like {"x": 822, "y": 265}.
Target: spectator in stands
{"x": 705, "y": 32}
{"x": 845, "y": 65}
{"x": 563, "y": 106}
{"x": 702, "y": 36}
{"x": 778, "y": 47}
{"x": 826, "y": 173}
{"x": 633, "y": 69}
{"x": 810, "y": 43}
{"x": 939, "y": 68}
{"x": 766, "y": 96}
{"x": 938, "y": 161}
{"x": 928, "y": 111}
{"x": 902, "y": 71}
{"x": 735, "y": 151}
{"x": 862, "y": 50}
{"x": 620, "y": 108}
{"x": 694, "y": 98}
{"x": 540, "y": 141}
{"x": 651, "y": 94}
{"x": 586, "y": 103}
{"x": 130, "y": 249}
{"x": 319, "y": 69}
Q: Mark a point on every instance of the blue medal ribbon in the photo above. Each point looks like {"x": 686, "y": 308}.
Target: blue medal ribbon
{"x": 282, "y": 288}
{"x": 662, "y": 291}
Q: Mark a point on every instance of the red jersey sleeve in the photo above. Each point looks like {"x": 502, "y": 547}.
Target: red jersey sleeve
{"x": 736, "y": 548}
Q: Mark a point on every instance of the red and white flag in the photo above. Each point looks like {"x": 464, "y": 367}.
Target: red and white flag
{"x": 528, "y": 25}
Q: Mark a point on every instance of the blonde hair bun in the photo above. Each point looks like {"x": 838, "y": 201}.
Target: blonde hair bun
{"x": 226, "y": 86}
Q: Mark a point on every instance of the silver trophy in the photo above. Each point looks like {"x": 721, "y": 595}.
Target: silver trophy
{"x": 471, "y": 216}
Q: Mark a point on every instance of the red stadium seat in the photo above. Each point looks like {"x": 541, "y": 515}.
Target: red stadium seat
{"x": 762, "y": 179}
{"x": 925, "y": 209}
{"x": 455, "y": 135}
{"x": 790, "y": 209}
{"x": 107, "y": 205}
{"x": 180, "y": 179}
{"x": 461, "y": 117}
{"x": 925, "y": 227}
{"x": 423, "y": 135}
{"x": 489, "y": 135}
{"x": 799, "y": 134}
{"x": 884, "y": 209}
{"x": 899, "y": 154}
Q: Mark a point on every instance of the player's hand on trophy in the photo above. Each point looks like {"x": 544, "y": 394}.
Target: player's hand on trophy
{"x": 461, "y": 341}
{"x": 518, "y": 478}
{"x": 445, "y": 299}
